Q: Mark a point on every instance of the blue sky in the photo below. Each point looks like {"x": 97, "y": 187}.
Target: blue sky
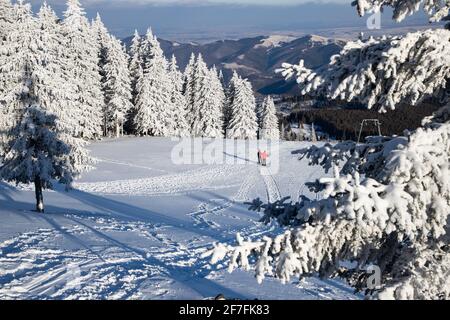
{"x": 194, "y": 20}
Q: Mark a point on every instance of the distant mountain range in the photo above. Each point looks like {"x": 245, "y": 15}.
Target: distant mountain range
{"x": 257, "y": 58}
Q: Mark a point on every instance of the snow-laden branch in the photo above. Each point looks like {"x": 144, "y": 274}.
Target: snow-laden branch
{"x": 382, "y": 73}
{"x": 368, "y": 158}
{"x": 436, "y": 9}
{"x": 391, "y": 224}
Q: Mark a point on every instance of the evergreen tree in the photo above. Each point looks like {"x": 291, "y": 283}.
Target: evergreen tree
{"x": 208, "y": 102}
{"x": 219, "y": 98}
{"x": 43, "y": 148}
{"x": 136, "y": 63}
{"x": 6, "y": 18}
{"x": 243, "y": 123}
{"x": 40, "y": 44}
{"x": 19, "y": 46}
{"x": 259, "y": 115}
{"x": 55, "y": 88}
{"x": 154, "y": 108}
{"x": 103, "y": 40}
{"x": 269, "y": 127}
{"x": 189, "y": 90}
{"x": 219, "y": 88}
{"x": 84, "y": 50}
{"x": 117, "y": 87}
{"x": 178, "y": 100}
{"x": 222, "y": 79}
{"x": 147, "y": 47}
{"x": 229, "y": 94}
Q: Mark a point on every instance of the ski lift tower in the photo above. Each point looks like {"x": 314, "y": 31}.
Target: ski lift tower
{"x": 366, "y": 122}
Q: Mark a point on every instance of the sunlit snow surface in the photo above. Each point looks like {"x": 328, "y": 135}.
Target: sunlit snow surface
{"x": 135, "y": 227}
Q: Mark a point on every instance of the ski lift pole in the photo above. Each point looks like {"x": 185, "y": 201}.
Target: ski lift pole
{"x": 376, "y": 122}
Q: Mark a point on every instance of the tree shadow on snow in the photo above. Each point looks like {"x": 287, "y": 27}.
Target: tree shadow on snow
{"x": 122, "y": 210}
{"x": 185, "y": 275}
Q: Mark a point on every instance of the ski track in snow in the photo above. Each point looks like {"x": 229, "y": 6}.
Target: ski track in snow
{"x": 273, "y": 191}
{"x": 205, "y": 210}
{"x": 110, "y": 271}
{"x": 129, "y": 165}
{"x": 200, "y": 179}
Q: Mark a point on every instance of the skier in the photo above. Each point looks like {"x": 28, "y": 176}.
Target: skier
{"x": 259, "y": 157}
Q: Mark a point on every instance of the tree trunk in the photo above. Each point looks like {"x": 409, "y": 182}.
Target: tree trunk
{"x": 117, "y": 129}
{"x": 105, "y": 124}
{"x": 39, "y": 195}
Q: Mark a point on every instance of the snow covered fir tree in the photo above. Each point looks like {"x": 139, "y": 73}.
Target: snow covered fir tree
{"x": 83, "y": 52}
{"x": 268, "y": 120}
{"x": 43, "y": 148}
{"x": 382, "y": 223}
{"x": 243, "y": 120}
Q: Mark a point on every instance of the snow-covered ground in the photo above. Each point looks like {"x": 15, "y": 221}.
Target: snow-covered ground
{"x": 135, "y": 227}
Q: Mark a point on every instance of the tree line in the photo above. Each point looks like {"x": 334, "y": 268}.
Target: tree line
{"x": 107, "y": 90}
{"x": 344, "y": 124}
{"x": 66, "y": 81}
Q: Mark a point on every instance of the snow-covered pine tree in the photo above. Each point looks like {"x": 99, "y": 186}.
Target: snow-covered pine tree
{"x": 219, "y": 90}
{"x": 436, "y": 10}
{"x": 175, "y": 74}
{"x": 154, "y": 108}
{"x": 83, "y": 48}
{"x": 243, "y": 123}
{"x": 259, "y": 113}
{"x": 189, "y": 90}
{"x": 18, "y": 47}
{"x": 103, "y": 40}
{"x": 387, "y": 207}
{"x": 269, "y": 127}
{"x": 222, "y": 79}
{"x": 41, "y": 150}
{"x": 55, "y": 88}
{"x": 6, "y": 18}
{"x": 206, "y": 113}
{"x": 117, "y": 87}
{"x": 6, "y": 21}
{"x": 229, "y": 94}
{"x": 135, "y": 67}
{"x": 148, "y": 43}
{"x": 182, "y": 128}
{"x": 136, "y": 63}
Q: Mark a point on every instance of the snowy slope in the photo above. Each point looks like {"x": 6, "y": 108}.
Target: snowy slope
{"x": 135, "y": 227}
{"x": 274, "y": 41}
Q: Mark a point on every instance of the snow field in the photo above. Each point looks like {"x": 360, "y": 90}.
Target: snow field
{"x": 141, "y": 237}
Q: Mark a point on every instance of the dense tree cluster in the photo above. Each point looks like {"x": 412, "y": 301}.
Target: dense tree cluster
{"x": 66, "y": 81}
{"x": 344, "y": 124}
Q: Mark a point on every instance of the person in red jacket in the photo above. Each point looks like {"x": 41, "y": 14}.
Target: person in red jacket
{"x": 264, "y": 156}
